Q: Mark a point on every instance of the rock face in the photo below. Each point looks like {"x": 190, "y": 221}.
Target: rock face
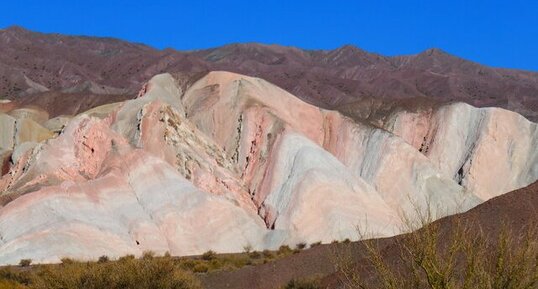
{"x": 233, "y": 160}
{"x": 489, "y": 151}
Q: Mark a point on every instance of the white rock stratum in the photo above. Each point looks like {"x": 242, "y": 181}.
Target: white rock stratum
{"x": 234, "y": 161}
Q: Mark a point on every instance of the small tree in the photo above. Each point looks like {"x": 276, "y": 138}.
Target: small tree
{"x": 25, "y": 262}
{"x": 247, "y": 248}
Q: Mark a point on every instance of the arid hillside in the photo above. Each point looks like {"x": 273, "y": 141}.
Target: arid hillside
{"x": 70, "y": 74}
{"x": 517, "y": 210}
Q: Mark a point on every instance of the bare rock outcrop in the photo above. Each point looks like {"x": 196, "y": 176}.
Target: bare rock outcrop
{"x": 233, "y": 160}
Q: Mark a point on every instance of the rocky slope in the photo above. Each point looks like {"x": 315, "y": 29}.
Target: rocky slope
{"x": 232, "y": 160}
{"x": 516, "y": 209}
{"x": 70, "y": 74}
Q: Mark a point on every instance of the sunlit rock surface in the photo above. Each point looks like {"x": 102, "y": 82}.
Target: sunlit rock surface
{"x": 489, "y": 151}
{"x": 233, "y": 161}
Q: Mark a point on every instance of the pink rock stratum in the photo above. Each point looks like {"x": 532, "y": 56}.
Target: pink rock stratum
{"x": 235, "y": 161}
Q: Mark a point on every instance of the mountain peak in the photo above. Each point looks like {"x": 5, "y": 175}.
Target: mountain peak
{"x": 16, "y": 29}
{"x": 434, "y": 51}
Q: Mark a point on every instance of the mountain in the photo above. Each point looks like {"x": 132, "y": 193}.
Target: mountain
{"x": 70, "y": 74}
{"x": 231, "y": 161}
{"x": 112, "y": 148}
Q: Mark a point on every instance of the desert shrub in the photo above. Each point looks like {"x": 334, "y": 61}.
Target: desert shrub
{"x": 267, "y": 254}
{"x": 247, "y": 248}
{"x": 67, "y": 260}
{"x": 238, "y": 261}
{"x": 200, "y": 268}
{"x": 302, "y": 284}
{"x": 129, "y": 273}
{"x": 148, "y": 255}
{"x": 284, "y": 249}
{"x": 188, "y": 264}
{"x": 300, "y": 246}
{"x": 25, "y": 262}
{"x": 457, "y": 254}
{"x": 126, "y": 258}
{"x": 10, "y": 284}
{"x": 255, "y": 255}
{"x": 10, "y": 276}
{"x": 103, "y": 259}
{"x": 209, "y": 255}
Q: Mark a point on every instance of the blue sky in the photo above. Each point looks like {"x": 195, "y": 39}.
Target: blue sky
{"x": 496, "y": 33}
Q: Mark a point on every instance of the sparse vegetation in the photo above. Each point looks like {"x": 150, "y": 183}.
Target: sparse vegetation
{"x": 66, "y": 260}
{"x": 103, "y": 259}
{"x": 456, "y": 254}
{"x": 284, "y": 250}
{"x": 200, "y": 268}
{"x": 301, "y": 246}
{"x": 155, "y": 272}
{"x": 209, "y": 255}
{"x": 267, "y": 254}
{"x": 255, "y": 255}
{"x": 247, "y": 248}
{"x": 25, "y": 262}
{"x": 131, "y": 272}
{"x": 302, "y": 284}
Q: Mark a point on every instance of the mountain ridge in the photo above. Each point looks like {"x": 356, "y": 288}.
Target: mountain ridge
{"x": 326, "y": 78}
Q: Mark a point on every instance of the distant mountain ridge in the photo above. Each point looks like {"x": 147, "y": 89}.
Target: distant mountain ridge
{"x": 103, "y": 70}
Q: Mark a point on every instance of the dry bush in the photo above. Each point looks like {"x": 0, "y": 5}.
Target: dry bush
{"x": 154, "y": 272}
{"x": 25, "y": 262}
{"x": 267, "y": 254}
{"x": 449, "y": 255}
{"x": 302, "y": 284}
{"x": 209, "y": 255}
{"x": 10, "y": 284}
{"x": 200, "y": 268}
{"x": 284, "y": 250}
{"x": 247, "y": 248}
{"x": 301, "y": 246}
{"x": 103, "y": 259}
{"x": 255, "y": 255}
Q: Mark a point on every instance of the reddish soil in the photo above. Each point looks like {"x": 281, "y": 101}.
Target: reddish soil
{"x": 339, "y": 79}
